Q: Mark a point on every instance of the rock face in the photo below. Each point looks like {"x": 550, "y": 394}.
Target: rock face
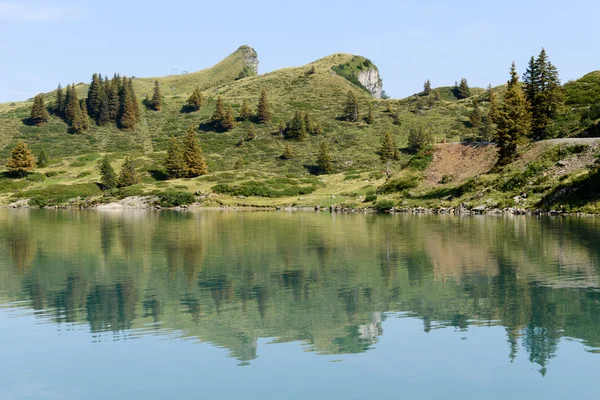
{"x": 371, "y": 80}
{"x": 250, "y": 58}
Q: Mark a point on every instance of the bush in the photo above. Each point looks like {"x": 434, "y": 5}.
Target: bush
{"x": 52, "y": 174}
{"x": 273, "y": 188}
{"x": 36, "y": 177}
{"x": 371, "y": 196}
{"x": 376, "y": 175}
{"x": 399, "y": 185}
{"x": 60, "y": 194}
{"x": 384, "y": 205}
{"x": 11, "y": 185}
{"x": 175, "y": 198}
{"x": 422, "y": 159}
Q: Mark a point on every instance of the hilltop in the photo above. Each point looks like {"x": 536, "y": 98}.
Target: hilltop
{"x": 320, "y": 89}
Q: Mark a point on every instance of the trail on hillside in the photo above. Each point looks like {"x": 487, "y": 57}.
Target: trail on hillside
{"x": 460, "y": 161}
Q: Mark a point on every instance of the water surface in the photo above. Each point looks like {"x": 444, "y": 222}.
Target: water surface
{"x": 188, "y": 305}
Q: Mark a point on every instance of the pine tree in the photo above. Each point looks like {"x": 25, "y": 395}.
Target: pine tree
{"x": 229, "y": 122}
{"x": 308, "y": 122}
{"x": 72, "y": 107}
{"x": 288, "y": 154}
{"x": 21, "y": 161}
{"x": 192, "y": 156}
{"x": 475, "y": 118}
{"x": 245, "y": 113}
{"x": 196, "y": 100}
{"x": 135, "y": 105}
{"x": 59, "y": 102}
{"x": 324, "y": 161}
{"x": 543, "y": 92}
{"x": 389, "y": 149}
{"x": 94, "y": 97}
{"x": 128, "y": 176}
{"x": 419, "y": 138}
{"x": 42, "y": 159}
{"x": 514, "y": 121}
{"x": 156, "y": 101}
{"x": 219, "y": 114}
{"x": 263, "y": 111}
{"x": 174, "y": 161}
{"x": 39, "y": 114}
{"x": 427, "y": 88}
{"x": 317, "y": 129}
{"x": 296, "y": 128}
{"x": 128, "y": 114}
{"x": 463, "y": 89}
{"x": 369, "y": 119}
{"x": 351, "y": 108}
{"x": 104, "y": 114}
{"x": 114, "y": 103}
{"x": 85, "y": 118}
{"x": 108, "y": 175}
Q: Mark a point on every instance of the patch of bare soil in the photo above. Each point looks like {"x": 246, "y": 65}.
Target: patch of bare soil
{"x": 460, "y": 161}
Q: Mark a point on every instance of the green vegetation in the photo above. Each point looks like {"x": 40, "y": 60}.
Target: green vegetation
{"x": 350, "y": 69}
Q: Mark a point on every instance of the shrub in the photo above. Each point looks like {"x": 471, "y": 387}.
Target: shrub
{"x": 11, "y": 185}
{"x": 376, "y": 175}
{"x": 422, "y": 159}
{"x": 371, "y": 196}
{"x": 384, "y": 205}
{"x": 36, "y": 177}
{"x": 399, "y": 185}
{"x": 272, "y": 188}
{"x": 60, "y": 194}
{"x": 175, "y": 198}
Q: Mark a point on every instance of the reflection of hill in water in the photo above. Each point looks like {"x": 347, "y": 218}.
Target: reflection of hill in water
{"x": 326, "y": 280}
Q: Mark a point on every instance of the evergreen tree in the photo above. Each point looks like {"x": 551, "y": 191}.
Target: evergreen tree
{"x": 219, "y": 114}
{"x": 263, "y": 112}
{"x": 229, "y": 122}
{"x": 389, "y": 149}
{"x": 250, "y": 133}
{"x": 128, "y": 176}
{"x": 72, "y": 107}
{"x": 192, "y": 156}
{"x": 108, "y": 175}
{"x": 104, "y": 114}
{"x": 174, "y": 161}
{"x": 463, "y": 89}
{"x": 39, "y": 114}
{"x": 296, "y": 128}
{"x": 427, "y": 88}
{"x": 419, "y": 138}
{"x": 351, "y": 108}
{"x": 288, "y": 154}
{"x": 156, "y": 101}
{"x": 196, "y": 100}
{"x": 85, "y": 118}
{"x": 324, "y": 161}
{"x": 21, "y": 161}
{"x": 317, "y": 129}
{"x": 369, "y": 119}
{"x": 543, "y": 92}
{"x": 476, "y": 117}
{"x": 514, "y": 121}
{"x": 129, "y": 112}
{"x": 42, "y": 159}
{"x": 94, "y": 97}
{"x": 245, "y": 113}
{"x": 59, "y": 102}
{"x": 114, "y": 103}
{"x": 135, "y": 105}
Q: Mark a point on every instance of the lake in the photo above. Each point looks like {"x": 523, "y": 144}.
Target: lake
{"x": 276, "y": 305}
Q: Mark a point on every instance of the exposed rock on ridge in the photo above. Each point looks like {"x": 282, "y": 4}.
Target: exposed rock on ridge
{"x": 250, "y": 58}
{"x": 371, "y": 80}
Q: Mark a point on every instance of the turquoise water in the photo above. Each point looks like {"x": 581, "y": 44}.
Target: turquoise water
{"x": 188, "y": 305}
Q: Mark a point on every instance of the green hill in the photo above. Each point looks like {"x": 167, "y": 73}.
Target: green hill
{"x": 319, "y": 88}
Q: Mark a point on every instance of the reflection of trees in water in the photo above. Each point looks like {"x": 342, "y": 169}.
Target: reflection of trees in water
{"x": 212, "y": 276}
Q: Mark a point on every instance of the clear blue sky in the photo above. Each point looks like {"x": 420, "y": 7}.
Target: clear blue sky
{"x": 45, "y": 42}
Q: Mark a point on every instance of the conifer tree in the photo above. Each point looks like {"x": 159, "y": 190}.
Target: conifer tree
{"x": 94, "y": 97}
{"x": 463, "y": 90}
{"x": 351, "y": 108}
{"x": 39, "y": 114}
{"x": 21, "y": 161}
{"x": 389, "y": 149}
{"x": 72, "y": 107}
{"x": 543, "y": 92}
{"x": 59, "y": 102}
{"x": 219, "y": 114}
{"x": 475, "y": 118}
{"x": 288, "y": 154}
{"x": 135, "y": 104}
{"x": 174, "y": 161}
{"x": 427, "y": 88}
{"x": 156, "y": 101}
{"x": 369, "y": 119}
{"x": 229, "y": 122}
{"x": 85, "y": 118}
{"x": 114, "y": 103}
{"x": 42, "y": 159}
{"x": 108, "y": 177}
{"x": 128, "y": 114}
{"x": 324, "y": 161}
{"x": 419, "y": 138}
{"x": 514, "y": 121}
{"x": 196, "y": 100}
{"x": 296, "y": 128}
{"x": 192, "y": 156}
{"x": 245, "y": 113}
{"x": 317, "y": 129}
{"x": 104, "y": 114}
{"x": 128, "y": 176}
{"x": 263, "y": 111}
{"x": 308, "y": 122}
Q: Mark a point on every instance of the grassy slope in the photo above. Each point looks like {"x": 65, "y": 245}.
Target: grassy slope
{"x": 354, "y": 146}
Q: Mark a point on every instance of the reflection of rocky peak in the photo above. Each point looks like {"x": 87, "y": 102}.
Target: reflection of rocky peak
{"x": 371, "y": 80}
{"x": 372, "y": 330}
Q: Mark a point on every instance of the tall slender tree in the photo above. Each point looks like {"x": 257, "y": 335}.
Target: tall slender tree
{"x": 42, "y": 159}
{"x": 369, "y": 118}
{"x": 174, "y": 161}
{"x": 39, "y": 113}
{"x": 463, "y": 89}
{"x": 94, "y": 97}
{"x": 296, "y": 127}
{"x": 192, "y": 156}
{"x": 72, "y": 107}
{"x": 108, "y": 177}
{"x": 514, "y": 120}
{"x": 245, "y": 113}
{"x": 351, "y": 108}
{"x": 389, "y": 149}
{"x": 21, "y": 160}
{"x": 128, "y": 176}
{"x": 476, "y": 116}
{"x": 229, "y": 122}
{"x": 129, "y": 112}
{"x": 156, "y": 101}
{"x": 324, "y": 160}
{"x": 196, "y": 100}
{"x": 219, "y": 114}
{"x": 263, "y": 112}
{"x": 288, "y": 153}
{"x": 59, "y": 102}
{"x": 427, "y": 88}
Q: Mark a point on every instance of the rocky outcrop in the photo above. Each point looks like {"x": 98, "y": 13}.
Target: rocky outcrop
{"x": 371, "y": 80}
{"x": 250, "y": 58}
